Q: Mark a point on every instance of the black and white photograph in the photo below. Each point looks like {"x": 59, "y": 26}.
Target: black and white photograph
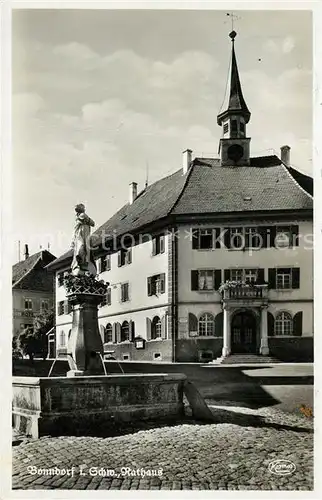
{"x": 162, "y": 260}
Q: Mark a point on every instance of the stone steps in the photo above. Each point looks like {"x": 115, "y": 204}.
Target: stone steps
{"x": 235, "y": 359}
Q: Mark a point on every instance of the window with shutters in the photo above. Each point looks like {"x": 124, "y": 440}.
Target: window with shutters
{"x": 252, "y": 237}
{"x": 226, "y": 128}
{"x": 125, "y": 292}
{"x": 44, "y": 305}
{"x": 242, "y": 127}
{"x": 62, "y": 339}
{"x": 237, "y": 240}
{"x": 236, "y": 274}
{"x": 124, "y": 256}
{"x": 206, "y": 279}
{"x": 60, "y": 308}
{"x": 205, "y": 239}
{"x": 107, "y": 298}
{"x": 241, "y": 238}
{"x": 283, "y": 279}
{"x": 125, "y": 331}
{"x": 67, "y": 307}
{"x": 98, "y": 264}
{"x": 28, "y": 304}
{"x": 286, "y": 236}
{"x": 250, "y": 275}
{"x": 244, "y": 275}
{"x": 103, "y": 264}
{"x": 283, "y": 324}
{"x": 158, "y": 244}
{"x": 60, "y": 279}
{"x": 156, "y": 284}
{"x": 156, "y": 328}
{"x": 206, "y": 325}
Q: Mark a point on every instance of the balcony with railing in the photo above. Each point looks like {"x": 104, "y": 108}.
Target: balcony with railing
{"x": 244, "y": 292}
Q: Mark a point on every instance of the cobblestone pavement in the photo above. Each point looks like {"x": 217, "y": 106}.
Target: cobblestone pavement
{"x": 217, "y": 456}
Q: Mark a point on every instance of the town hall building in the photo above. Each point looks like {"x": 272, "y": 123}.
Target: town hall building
{"x": 212, "y": 261}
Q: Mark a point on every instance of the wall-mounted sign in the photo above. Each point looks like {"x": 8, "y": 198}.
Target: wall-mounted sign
{"x": 139, "y": 343}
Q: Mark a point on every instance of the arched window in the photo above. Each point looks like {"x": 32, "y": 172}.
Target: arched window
{"x": 125, "y": 331}
{"x": 156, "y": 328}
{"x": 206, "y": 325}
{"x": 108, "y": 334}
{"x": 283, "y": 324}
{"x": 62, "y": 338}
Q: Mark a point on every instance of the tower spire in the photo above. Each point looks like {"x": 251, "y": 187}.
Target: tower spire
{"x": 236, "y": 102}
{"x": 234, "y": 146}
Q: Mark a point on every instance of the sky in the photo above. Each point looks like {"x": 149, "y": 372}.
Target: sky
{"x": 101, "y": 98}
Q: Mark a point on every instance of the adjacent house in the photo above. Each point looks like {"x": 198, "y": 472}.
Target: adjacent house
{"x": 32, "y": 290}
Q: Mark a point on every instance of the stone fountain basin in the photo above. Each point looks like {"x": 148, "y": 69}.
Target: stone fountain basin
{"x": 91, "y": 405}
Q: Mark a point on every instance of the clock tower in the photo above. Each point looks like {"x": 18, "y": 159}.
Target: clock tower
{"x": 234, "y": 144}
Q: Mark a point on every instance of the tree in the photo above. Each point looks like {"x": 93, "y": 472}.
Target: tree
{"x": 33, "y": 340}
{"x": 16, "y": 353}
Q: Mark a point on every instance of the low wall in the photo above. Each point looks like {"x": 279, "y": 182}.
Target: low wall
{"x": 161, "y": 348}
{"x": 292, "y": 349}
{"x": 190, "y": 350}
{"x": 94, "y": 405}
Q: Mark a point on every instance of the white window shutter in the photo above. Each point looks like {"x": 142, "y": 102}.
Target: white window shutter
{"x": 148, "y": 328}
{"x": 114, "y": 336}
{"x": 164, "y": 327}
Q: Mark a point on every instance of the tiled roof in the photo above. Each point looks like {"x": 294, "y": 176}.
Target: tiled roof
{"x": 266, "y": 185}
{"x": 155, "y": 202}
{"x": 30, "y": 274}
{"x": 303, "y": 180}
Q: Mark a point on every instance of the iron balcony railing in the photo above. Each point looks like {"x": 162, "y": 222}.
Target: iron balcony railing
{"x": 242, "y": 292}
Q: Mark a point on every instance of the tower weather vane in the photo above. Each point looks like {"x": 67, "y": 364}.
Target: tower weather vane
{"x": 233, "y": 17}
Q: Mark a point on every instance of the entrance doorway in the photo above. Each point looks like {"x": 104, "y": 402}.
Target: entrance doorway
{"x": 243, "y": 333}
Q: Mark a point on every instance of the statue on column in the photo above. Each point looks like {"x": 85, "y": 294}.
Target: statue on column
{"x": 84, "y": 292}
{"x": 83, "y": 261}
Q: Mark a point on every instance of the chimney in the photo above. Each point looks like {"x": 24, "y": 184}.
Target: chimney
{"x": 186, "y": 160}
{"x": 26, "y": 252}
{"x": 133, "y": 192}
{"x": 286, "y": 155}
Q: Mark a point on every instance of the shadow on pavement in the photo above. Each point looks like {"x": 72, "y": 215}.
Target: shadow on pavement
{"x": 225, "y": 416}
{"x": 215, "y": 383}
{"x": 220, "y": 416}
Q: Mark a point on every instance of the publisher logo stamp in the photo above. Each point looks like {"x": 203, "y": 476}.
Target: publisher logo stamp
{"x": 282, "y": 467}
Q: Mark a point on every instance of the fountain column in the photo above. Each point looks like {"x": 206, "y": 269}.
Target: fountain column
{"x": 85, "y": 346}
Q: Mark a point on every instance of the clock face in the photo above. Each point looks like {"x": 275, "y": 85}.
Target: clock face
{"x": 235, "y": 152}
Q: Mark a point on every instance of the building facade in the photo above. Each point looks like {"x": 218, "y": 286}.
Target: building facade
{"x": 215, "y": 259}
{"x": 32, "y": 290}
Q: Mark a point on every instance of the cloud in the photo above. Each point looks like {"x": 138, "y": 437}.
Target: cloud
{"x": 86, "y": 124}
{"x": 279, "y": 45}
{"x": 288, "y": 45}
